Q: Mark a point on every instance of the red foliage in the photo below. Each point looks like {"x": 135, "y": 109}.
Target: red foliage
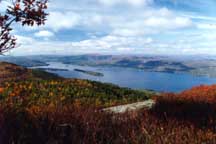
{"x": 201, "y": 93}
{"x": 87, "y": 125}
{"x": 197, "y": 105}
{"x": 176, "y": 118}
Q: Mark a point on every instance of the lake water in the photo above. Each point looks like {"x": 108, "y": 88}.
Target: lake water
{"x": 134, "y": 78}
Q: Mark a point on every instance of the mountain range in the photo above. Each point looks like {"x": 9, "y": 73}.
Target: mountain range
{"x": 204, "y": 66}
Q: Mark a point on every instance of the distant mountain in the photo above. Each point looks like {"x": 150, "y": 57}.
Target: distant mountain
{"x": 147, "y": 63}
{"x": 204, "y": 66}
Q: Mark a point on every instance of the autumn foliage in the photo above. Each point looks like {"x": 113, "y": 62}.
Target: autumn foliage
{"x": 70, "y": 111}
{"x": 66, "y": 92}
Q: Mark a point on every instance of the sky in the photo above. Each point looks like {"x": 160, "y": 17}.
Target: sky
{"x": 160, "y": 27}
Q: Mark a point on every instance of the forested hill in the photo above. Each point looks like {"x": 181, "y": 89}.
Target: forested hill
{"x": 12, "y": 72}
{"x": 37, "y": 85}
{"x": 37, "y": 107}
{"x": 29, "y": 99}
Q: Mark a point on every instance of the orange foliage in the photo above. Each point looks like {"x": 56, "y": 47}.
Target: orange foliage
{"x": 1, "y": 90}
{"x": 201, "y": 93}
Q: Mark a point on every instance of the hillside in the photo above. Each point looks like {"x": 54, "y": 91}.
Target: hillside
{"x": 39, "y": 85}
{"x": 22, "y": 61}
{"x": 69, "y": 111}
{"x": 12, "y": 72}
{"x": 36, "y": 107}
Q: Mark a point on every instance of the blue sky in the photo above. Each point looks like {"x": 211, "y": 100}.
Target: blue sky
{"x": 162, "y": 27}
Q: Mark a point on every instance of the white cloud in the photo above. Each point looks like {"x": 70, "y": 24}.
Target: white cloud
{"x": 44, "y": 33}
{"x": 111, "y": 44}
{"x": 131, "y": 26}
{"x": 129, "y": 2}
{"x": 24, "y": 40}
{"x": 168, "y": 22}
{"x": 206, "y": 26}
{"x": 62, "y": 20}
{"x": 200, "y": 17}
{"x": 106, "y": 44}
{"x": 125, "y": 22}
{"x": 150, "y": 22}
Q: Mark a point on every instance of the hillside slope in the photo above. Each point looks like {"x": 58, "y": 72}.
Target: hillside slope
{"x": 28, "y": 97}
{"x": 37, "y": 85}
{"x": 12, "y": 72}
{"x": 68, "y": 111}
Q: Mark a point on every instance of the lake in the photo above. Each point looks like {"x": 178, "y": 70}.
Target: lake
{"x": 134, "y": 78}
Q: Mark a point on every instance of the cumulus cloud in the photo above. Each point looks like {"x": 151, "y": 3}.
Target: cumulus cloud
{"x": 118, "y": 45}
{"x": 62, "y": 20}
{"x": 106, "y": 44}
{"x": 125, "y": 26}
{"x": 113, "y": 43}
{"x": 146, "y": 21}
{"x": 44, "y": 33}
{"x": 151, "y": 22}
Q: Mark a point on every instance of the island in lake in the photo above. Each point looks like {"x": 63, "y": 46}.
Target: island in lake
{"x": 90, "y": 72}
{"x": 52, "y": 69}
